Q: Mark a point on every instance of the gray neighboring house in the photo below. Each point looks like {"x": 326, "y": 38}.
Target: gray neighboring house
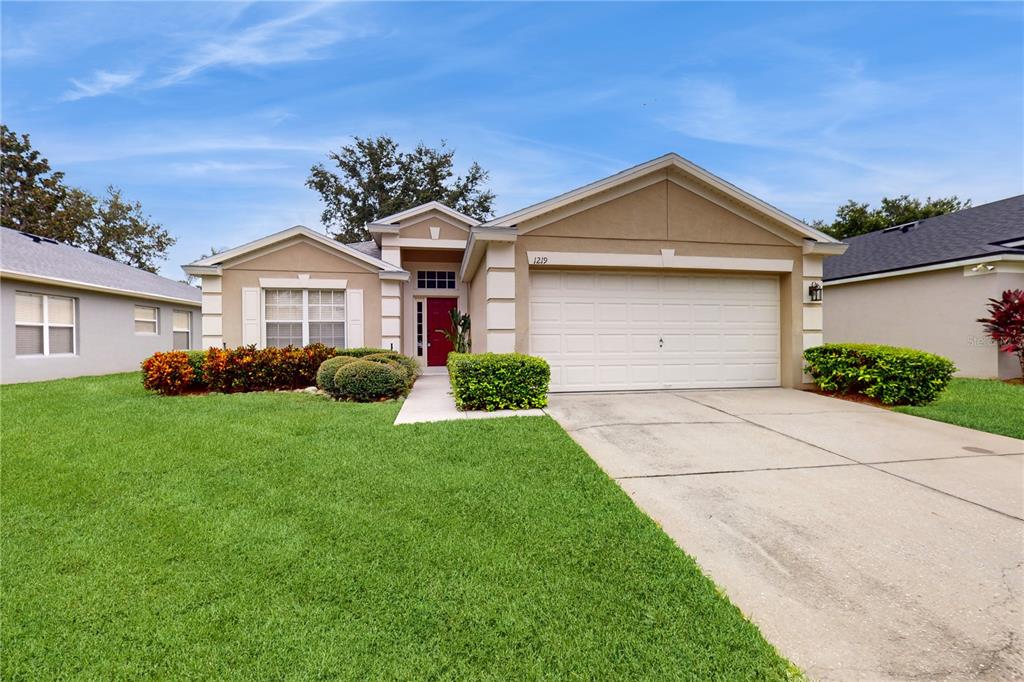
{"x": 66, "y": 312}
{"x": 925, "y": 284}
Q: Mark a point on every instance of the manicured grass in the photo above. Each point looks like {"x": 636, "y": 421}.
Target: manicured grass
{"x": 283, "y": 535}
{"x": 983, "y": 404}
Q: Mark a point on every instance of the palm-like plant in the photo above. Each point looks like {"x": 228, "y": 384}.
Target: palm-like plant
{"x": 1005, "y": 324}
{"x": 458, "y": 333}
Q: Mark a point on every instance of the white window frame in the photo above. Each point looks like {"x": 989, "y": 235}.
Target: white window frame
{"x": 155, "y": 320}
{"x": 305, "y": 314}
{"x": 45, "y": 325}
{"x": 175, "y": 330}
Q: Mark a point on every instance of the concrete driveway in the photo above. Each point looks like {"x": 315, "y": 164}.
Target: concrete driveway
{"x": 866, "y": 544}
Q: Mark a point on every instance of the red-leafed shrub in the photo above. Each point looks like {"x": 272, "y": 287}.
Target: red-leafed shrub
{"x": 248, "y": 368}
{"x": 1005, "y": 323}
{"x": 168, "y": 373}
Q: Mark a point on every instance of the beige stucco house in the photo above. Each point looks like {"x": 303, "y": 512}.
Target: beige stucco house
{"x": 661, "y": 276}
{"x": 925, "y": 284}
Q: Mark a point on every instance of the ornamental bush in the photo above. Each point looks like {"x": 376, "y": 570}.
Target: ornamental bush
{"x": 498, "y": 381}
{"x": 408, "y": 365}
{"x": 364, "y": 381}
{"x": 247, "y": 368}
{"x": 328, "y": 368}
{"x": 196, "y": 358}
{"x": 167, "y": 373}
{"x": 895, "y": 376}
{"x": 363, "y": 352}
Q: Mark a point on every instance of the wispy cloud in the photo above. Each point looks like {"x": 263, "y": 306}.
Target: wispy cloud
{"x": 291, "y": 38}
{"x": 224, "y": 168}
{"x": 101, "y": 83}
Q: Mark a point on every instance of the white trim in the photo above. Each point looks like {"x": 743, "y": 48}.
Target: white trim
{"x": 812, "y": 247}
{"x": 297, "y": 230}
{"x": 39, "y": 279}
{"x": 45, "y": 325}
{"x": 670, "y": 160}
{"x": 472, "y": 256}
{"x": 299, "y": 283}
{"x": 401, "y": 276}
{"x": 667, "y": 259}
{"x": 155, "y": 320}
{"x": 418, "y": 243}
{"x": 1002, "y": 257}
{"x": 423, "y": 208}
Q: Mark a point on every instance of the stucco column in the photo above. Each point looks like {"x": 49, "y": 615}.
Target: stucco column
{"x": 500, "y": 285}
{"x": 391, "y": 315}
{"x": 213, "y": 328}
{"x": 813, "y": 319}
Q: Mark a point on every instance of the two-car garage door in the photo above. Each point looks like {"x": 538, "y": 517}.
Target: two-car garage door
{"x": 604, "y": 331}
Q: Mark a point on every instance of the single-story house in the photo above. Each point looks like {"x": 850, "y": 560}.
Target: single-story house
{"x": 925, "y": 284}
{"x": 66, "y": 312}
{"x": 661, "y": 276}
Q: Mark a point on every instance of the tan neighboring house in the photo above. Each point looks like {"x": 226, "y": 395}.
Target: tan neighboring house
{"x": 661, "y": 276}
{"x": 925, "y": 284}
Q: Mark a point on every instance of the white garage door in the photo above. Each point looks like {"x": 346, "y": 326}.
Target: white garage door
{"x": 627, "y": 331}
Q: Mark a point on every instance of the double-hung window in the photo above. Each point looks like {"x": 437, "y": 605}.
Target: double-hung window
{"x": 44, "y": 325}
{"x": 299, "y": 317}
{"x": 147, "y": 319}
{"x": 182, "y": 324}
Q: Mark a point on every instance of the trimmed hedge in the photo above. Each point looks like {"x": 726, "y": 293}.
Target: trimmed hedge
{"x": 364, "y": 381}
{"x": 895, "y": 376}
{"x": 363, "y": 352}
{"x": 408, "y": 365}
{"x": 328, "y": 368}
{"x": 498, "y": 381}
{"x": 168, "y": 373}
{"x": 247, "y": 368}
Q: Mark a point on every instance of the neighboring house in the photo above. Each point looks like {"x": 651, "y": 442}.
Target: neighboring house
{"x": 66, "y": 312}
{"x": 925, "y": 284}
{"x": 661, "y": 276}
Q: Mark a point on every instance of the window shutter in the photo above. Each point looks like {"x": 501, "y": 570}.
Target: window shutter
{"x": 354, "y": 318}
{"x": 250, "y": 316}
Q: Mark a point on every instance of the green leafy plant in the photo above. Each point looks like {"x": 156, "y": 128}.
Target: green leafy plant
{"x": 328, "y": 368}
{"x": 197, "y": 358}
{"x": 895, "y": 376}
{"x": 458, "y": 332}
{"x": 498, "y": 381}
{"x": 364, "y": 381}
{"x": 408, "y": 365}
{"x": 362, "y": 352}
{"x": 1005, "y": 323}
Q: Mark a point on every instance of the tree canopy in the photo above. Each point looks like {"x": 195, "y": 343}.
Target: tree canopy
{"x": 34, "y": 198}
{"x": 853, "y": 218}
{"x": 373, "y": 178}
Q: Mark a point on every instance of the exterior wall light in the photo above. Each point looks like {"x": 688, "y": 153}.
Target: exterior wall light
{"x": 814, "y": 291}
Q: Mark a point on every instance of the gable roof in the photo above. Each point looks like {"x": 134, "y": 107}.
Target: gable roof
{"x": 986, "y": 230}
{"x": 673, "y": 161}
{"x": 33, "y": 258}
{"x": 423, "y": 208}
{"x": 197, "y": 267}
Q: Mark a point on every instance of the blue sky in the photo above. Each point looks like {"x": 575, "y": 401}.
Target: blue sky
{"x": 211, "y": 114}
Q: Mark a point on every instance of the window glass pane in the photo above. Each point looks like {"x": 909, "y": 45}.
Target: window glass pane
{"x": 182, "y": 321}
{"x": 180, "y": 341}
{"x": 60, "y": 310}
{"x": 284, "y": 304}
{"x": 327, "y": 306}
{"x": 327, "y": 333}
{"x": 435, "y": 279}
{"x": 145, "y": 313}
{"x": 28, "y": 308}
{"x": 28, "y": 341}
{"x": 62, "y": 340}
{"x": 145, "y": 327}
{"x": 281, "y": 334}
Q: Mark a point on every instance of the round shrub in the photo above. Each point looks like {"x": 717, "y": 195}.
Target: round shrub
{"x": 328, "y": 368}
{"x": 168, "y": 373}
{"x": 364, "y": 381}
{"x": 409, "y": 366}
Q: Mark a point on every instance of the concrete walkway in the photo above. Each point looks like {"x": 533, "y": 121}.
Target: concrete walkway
{"x": 866, "y": 544}
{"x": 431, "y": 401}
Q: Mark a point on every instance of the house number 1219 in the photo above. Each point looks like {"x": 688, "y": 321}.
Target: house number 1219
{"x": 540, "y": 260}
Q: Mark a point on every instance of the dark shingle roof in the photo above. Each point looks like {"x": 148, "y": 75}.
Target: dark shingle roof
{"x": 370, "y": 248}
{"x": 34, "y": 256}
{"x": 970, "y": 233}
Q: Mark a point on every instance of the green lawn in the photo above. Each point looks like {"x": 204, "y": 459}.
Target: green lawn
{"x": 283, "y": 535}
{"x": 983, "y": 404}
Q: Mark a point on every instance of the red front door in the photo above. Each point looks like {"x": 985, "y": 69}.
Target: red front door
{"x": 439, "y": 317}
